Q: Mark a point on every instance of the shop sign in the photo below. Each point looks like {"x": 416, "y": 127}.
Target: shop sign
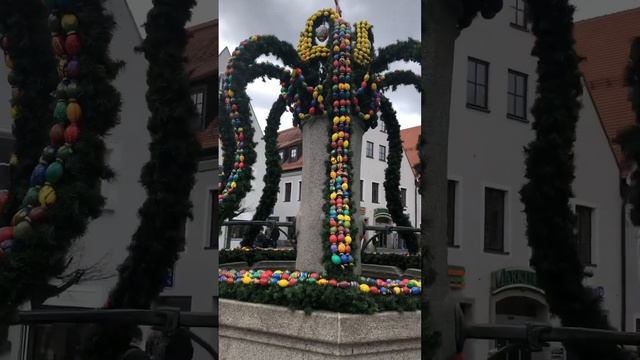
{"x": 456, "y": 277}
{"x": 513, "y": 277}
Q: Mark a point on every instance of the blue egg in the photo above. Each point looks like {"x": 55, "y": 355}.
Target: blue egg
{"x": 416, "y": 290}
{"x": 38, "y": 174}
{"x": 344, "y": 259}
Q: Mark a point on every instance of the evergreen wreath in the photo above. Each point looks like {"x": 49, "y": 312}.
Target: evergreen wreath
{"x": 550, "y": 170}
{"x": 168, "y": 177}
{"x": 63, "y": 192}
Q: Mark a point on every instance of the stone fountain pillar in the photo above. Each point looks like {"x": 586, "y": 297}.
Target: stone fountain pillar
{"x": 310, "y": 218}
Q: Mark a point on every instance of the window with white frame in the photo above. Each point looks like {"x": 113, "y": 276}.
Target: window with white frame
{"x": 287, "y": 192}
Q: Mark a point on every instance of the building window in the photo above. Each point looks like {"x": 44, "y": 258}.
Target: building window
{"x": 477, "y": 83}
{"x": 520, "y": 14}
{"x": 517, "y": 95}
{"x": 403, "y": 197}
{"x": 369, "y": 149}
{"x": 287, "y": 192}
{"x": 299, "y": 190}
{"x": 293, "y": 155}
{"x": 584, "y": 225}
{"x": 382, "y": 153}
{"x": 214, "y": 230}
{"x": 198, "y": 97}
{"x": 383, "y": 127}
{"x": 374, "y": 192}
{"x": 281, "y": 153}
{"x": 638, "y": 325}
{"x": 451, "y": 212}
{"x": 362, "y": 189}
{"x": 494, "y": 203}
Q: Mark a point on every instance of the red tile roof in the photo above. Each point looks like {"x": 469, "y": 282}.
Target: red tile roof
{"x": 293, "y": 136}
{"x": 202, "y": 63}
{"x": 202, "y": 51}
{"x": 410, "y": 144}
{"x": 605, "y": 43}
{"x": 287, "y": 138}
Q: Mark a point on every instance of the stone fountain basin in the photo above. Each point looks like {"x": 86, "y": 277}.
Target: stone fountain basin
{"x": 257, "y": 331}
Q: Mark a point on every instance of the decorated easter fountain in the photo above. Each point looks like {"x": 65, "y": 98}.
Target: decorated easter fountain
{"x": 333, "y": 85}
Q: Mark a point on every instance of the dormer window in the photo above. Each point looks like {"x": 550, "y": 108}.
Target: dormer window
{"x": 293, "y": 155}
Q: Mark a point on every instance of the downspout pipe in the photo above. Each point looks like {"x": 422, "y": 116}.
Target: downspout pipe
{"x": 623, "y": 254}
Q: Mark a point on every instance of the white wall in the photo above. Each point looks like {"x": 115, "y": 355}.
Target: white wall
{"x": 486, "y": 149}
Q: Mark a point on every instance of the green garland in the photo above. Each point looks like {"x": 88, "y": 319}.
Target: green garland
{"x": 33, "y": 78}
{"x": 168, "y": 177}
{"x": 309, "y": 297}
{"x": 25, "y": 274}
{"x": 392, "y": 176}
{"x": 236, "y": 104}
{"x": 254, "y": 255}
{"x": 409, "y": 50}
{"x": 629, "y": 138}
{"x": 471, "y": 8}
{"x": 393, "y": 79}
{"x": 550, "y": 170}
{"x": 273, "y": 172}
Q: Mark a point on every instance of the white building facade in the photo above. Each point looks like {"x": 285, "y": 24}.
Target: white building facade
{"x": 375, "y": 148}
{"x": 494, "y": 82}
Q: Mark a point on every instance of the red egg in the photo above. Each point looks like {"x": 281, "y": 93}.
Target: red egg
{"x": 333, "y": 283}
{"x": 292, "y": 282}
{"x": 72, "y": 45}
{"x": 56, "y": 134}
{"x": 6, "y": 233}
{"x": 57, "y": 42}
{"x": 71, "y": 134}
{"x": 333, "y": 239}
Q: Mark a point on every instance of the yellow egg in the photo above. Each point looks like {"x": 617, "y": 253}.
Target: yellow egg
{"x": 347, "y": 239}
{"x": 230, "y": 93}
{"x": 345, "y": 144}
{"x": 246, "y": 280}
{"x": 233, "y": 184}
{"x": 364, "y": 288}
{"x": 283, "y": 283}
{"x": 334, "y": 137}
{"x": 345, "y": 186}
{"x": 333, "y": 196}
{"x": 333, "y": 175}
{"x": 336, "y": 120}
{"x": 322, "y": 282}
{"x": 47, "y": 195}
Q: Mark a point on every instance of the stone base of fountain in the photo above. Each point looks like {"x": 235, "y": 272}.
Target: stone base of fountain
{"x": 256, "y": 331}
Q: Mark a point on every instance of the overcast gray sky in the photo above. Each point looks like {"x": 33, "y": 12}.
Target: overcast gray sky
{"x": 205, "y": 10}
{"x": 590, "y": 8}
{"x": 240, "y": 19}
{"x": 285, "y": 19}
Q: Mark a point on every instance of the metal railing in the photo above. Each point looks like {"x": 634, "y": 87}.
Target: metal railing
{"x": 533, "y": 337}
{"x": 383, "y": 230}
{"x": 165, "y": 319}
{"x": 270, "y": 223}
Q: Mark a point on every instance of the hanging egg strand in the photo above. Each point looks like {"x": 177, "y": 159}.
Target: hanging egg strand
{"x": 339, "y": 216}
{"x": 62, "y": 136}
{"x": 306, "y": 48}
{"x": 286, "y": 278}
{"x": 240, "y": 168}
{"x": 6, "y": 234}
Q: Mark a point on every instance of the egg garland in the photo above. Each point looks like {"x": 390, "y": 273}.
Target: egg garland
{"x": 285, "y": 279}
{"x": 241, "y": 171}
{"x": 63, "y": 135}
{"x": 308, "y": 47}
